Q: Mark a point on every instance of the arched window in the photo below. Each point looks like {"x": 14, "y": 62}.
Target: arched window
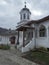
{"x": 42, "y": 31}
{"x": 24, "y": 16}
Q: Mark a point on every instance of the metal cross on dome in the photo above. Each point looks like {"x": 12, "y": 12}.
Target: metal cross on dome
{"x": 25, "y": 4}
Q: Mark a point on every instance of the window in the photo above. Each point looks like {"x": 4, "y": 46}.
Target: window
{"x": 24, "y": 16}
{"x": 42, "y": 31}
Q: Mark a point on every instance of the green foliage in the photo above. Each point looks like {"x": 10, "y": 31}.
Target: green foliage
{"x": 42, "y": 49}
{"x": 4, "y": 46}
{"x": 41, "y": 58}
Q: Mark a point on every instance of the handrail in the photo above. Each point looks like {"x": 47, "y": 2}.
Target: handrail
{"x": 28, "y": 41}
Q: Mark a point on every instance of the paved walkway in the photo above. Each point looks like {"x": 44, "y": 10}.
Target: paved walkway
{"x": 13, "y": 57}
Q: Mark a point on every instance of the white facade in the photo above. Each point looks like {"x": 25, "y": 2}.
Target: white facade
{"x": 40, "y": 31}
{"x": 5, "y": 39}
{"x": 43, "y": 41}
{"x": 36, "y": 41}
{"x": 24, "y": 14}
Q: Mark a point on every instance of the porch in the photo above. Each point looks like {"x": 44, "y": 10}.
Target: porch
{"x": 27, "y": 37}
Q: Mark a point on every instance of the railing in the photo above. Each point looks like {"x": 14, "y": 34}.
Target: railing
{"x": 27, "y": 41}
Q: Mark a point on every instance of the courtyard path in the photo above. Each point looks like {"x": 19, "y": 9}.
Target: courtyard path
{"x": 13, "y": 57}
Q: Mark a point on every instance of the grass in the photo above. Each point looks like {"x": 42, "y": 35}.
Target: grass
{"x": 4, "y": 46}
{"x": 38, "y": 57}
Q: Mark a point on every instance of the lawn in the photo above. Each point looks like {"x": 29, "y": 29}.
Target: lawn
{"x": 41, "y": 58}
{"x": 4, "y": 46}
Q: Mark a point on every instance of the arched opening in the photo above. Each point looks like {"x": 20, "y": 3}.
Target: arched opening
{"x": 24, "y": 16}
{"x": 12, "y": 39}
{"x": 42, "y": 31}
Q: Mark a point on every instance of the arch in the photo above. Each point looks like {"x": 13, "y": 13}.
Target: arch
{"x": 12, "y": 39}
{"x": 42, "y": 31}
{"x": 24, "y": 16}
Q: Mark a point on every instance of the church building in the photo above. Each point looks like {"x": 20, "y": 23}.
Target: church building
{"x": 32, "y": 33}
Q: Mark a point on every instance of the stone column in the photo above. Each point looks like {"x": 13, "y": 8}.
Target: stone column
{"x": 23, "y": 39}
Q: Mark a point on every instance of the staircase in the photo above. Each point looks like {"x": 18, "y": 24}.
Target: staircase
{"x": 28, "y": 46}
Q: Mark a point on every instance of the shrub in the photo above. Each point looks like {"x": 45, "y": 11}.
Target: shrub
{"x": 4, "y": 46}
{"x": 42, "y": 49}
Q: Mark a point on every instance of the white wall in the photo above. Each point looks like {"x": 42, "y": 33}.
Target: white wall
{"x": 40, "y": 41}
{"x": 4, "y": 40}
{"x": 43, "y": 41}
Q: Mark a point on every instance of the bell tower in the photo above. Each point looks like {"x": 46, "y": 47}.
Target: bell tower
{"x": 25, "y": 13}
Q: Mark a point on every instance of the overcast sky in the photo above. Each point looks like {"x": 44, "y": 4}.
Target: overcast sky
{"x": 9, "y": 11}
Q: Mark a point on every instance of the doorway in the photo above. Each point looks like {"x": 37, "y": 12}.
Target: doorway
{"x": 12, "y": 39}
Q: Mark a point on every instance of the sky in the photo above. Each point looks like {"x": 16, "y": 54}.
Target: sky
{"x": 9, "y": 11}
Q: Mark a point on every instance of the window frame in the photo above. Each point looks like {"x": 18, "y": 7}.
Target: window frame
{"x": 24, "y": 16}
{"x": 42, "y": 31}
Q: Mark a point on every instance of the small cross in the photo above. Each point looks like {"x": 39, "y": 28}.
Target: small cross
{"x": 25, "y": 4}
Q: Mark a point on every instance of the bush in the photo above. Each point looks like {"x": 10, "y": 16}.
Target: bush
{"x": 42, "y": 49}
{"x": 4, "y": 46}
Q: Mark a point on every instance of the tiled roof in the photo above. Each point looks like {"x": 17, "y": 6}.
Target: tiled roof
{"x": 33, "y": 21}
{"x": 4, "y": 31}
{"x": 38, "y": 21}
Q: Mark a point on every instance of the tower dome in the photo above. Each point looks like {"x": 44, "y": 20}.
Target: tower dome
{"x": 25, "y": 13}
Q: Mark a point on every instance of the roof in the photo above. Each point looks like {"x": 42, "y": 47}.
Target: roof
{"x": 24, "y": 28}
{"x": 38, "y": 21}
{"x": 32, "y": 21}
{"x": 6, "y": 32}
{"x": 25, "y": 8}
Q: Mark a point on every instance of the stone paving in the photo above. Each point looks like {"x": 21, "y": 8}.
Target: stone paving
{"x": 13, "y": 57}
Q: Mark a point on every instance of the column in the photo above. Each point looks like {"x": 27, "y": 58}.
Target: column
{"x": 47, "y": 32}
{"x": 34, "y": 35}
{"x": 18, "y": 39}
{"x": 23, "y": 39}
